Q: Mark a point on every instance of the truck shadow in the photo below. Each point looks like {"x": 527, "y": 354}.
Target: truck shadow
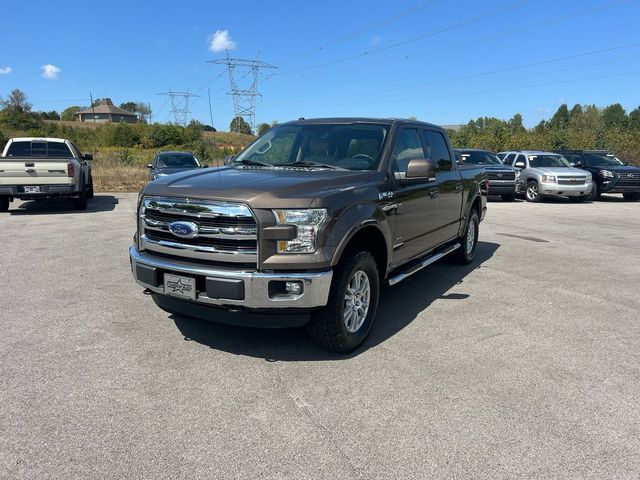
{"x": 100, "y": 203}
{"x": 399, "y": 306}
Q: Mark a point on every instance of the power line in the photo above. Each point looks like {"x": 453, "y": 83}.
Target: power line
{"x": 244, "y": 97}
{"x": 414, "y": 39}
{"x": 357, "y": 33}
{"x": 486, "y": 72}
{"x": 179, "y": 105}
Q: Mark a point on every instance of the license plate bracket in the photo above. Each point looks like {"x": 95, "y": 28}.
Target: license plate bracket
{"x": 180, "y": 286}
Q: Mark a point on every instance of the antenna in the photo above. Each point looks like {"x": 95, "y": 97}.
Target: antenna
{"x": 180, "y": 105}
{"x": 244, "y": 99}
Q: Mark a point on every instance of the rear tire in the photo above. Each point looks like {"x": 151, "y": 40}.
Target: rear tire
{"x": 509, "y": 197}
{"x": 345, "y": 322}
{"x": 90, "y": 190}
{"x": 532, "y": 193}
{"x": 631, "y": 196}
{"x": 468, "y": 242}
{"x": 4, "y": 204}
{"x": 80, "y": 203}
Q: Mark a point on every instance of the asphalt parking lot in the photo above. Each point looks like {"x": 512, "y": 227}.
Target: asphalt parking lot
{"x": 524, "y": 365}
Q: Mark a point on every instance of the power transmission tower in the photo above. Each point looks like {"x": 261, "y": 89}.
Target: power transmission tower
{"x": 244, "y": 97}
{"x": 180, "y": 105}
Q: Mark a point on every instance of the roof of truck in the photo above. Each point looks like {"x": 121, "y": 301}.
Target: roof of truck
{"x": 38, "y": 139}
{"x": 381, "y": 121}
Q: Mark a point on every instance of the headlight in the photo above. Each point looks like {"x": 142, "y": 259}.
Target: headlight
{"x": 549, "y": 178}
{"x": 308, "y": 223}
{"x": 607, "y": 173}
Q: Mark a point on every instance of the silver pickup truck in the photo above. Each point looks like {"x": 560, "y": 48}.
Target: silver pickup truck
{"x": 40, "y": 168}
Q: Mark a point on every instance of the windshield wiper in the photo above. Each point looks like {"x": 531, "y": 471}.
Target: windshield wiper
{"x": 254, "y": 163}
{"x": 307, "y": 163}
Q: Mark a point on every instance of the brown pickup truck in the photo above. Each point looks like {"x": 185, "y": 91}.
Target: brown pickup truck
{"x": 306, "y": 224}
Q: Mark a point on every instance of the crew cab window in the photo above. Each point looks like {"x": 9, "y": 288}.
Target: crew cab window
{"x": 58, "y": 149}
{"x": 438, "y": 151}
{"x": 507, "y": 159}
{"x": 408, "y": 147}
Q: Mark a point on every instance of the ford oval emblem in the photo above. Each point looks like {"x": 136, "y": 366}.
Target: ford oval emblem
{"x": 184, "y": 229}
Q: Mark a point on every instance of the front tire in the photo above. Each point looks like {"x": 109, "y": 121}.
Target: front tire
{"x": 469, "y": 241}
{"x": 345, "y": 322}
{"x": 533, "y": 193}
{"x": 4, "y": 204}
{"x": 90, "y": 189}
{"x": 595, "y": 194}
{"x": 631, "y": 196}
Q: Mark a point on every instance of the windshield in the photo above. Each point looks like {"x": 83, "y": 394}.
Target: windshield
{"x": 348, "y": 146}
{"x": 176, "y": 160}
{"x": 547, "y": 160}
{"x": 480, "y": 158}
{"x": 598, "y": 159}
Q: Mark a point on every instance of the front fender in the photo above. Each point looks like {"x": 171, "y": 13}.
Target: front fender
{"x": 352, "y": 220}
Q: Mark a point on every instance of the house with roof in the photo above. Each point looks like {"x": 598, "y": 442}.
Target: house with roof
{"x": 106, "y": 112}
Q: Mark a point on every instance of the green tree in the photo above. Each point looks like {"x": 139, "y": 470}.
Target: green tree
{"x": 263, "y": 127}
{"x": 239, "y": 125}
{"x": 614, "y": 116}
{"x": 143, "y": 110}
{"x": 129, "y": 107}
{"x": 69, "y": 113}
{"x": 16, "y": 112}
{"x": 16, "y": 102}
{"x": 634, "y": 119}
{"x": 561, "y": 118}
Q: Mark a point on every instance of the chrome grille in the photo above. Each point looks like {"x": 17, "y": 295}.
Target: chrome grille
{"x": 578, "y": 180}
{"x": 224, "y": 232}
{"x": 629, "y": 179}
{"x": 501, "y": 175}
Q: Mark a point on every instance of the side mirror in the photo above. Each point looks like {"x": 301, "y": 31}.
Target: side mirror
{"x": 88, "y": 156}
{"x": 228, "y": 160}
{"x": 149, "y": 165}
{"x": 420, "y": 168}
{"x": 520, "y": 165}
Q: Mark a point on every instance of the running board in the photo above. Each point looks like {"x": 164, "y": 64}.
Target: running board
{"x": 425, "y": 263}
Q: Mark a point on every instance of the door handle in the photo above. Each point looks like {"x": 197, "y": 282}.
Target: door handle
{"x": 458, "y": 187}
{"x": 433, "y": 193}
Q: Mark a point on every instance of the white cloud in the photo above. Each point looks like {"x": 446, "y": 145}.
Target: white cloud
{"x": 50, "y": 72}
{"x": 5, "y": 70}
{"x": 221, "y": 41}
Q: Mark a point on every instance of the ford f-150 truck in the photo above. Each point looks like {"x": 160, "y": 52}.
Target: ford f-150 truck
{"x": 306, "y": 224}
{"x": 40, "y": 168}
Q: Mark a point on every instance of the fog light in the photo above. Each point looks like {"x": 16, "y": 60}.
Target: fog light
{"x": 293, "y": 288}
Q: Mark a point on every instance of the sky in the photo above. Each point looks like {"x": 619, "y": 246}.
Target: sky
{"x": 442, "y": 61}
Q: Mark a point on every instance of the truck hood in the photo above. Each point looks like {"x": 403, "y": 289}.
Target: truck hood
{"x": 259, "y": 187}
{"x": 619, "y": 168}
{"x": 563, "y": 171}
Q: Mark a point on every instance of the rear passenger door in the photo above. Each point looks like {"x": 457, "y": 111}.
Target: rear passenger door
{"x": 449, "y": 185}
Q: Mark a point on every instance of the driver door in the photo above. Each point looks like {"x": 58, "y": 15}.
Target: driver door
{"x": 415, "y": 219}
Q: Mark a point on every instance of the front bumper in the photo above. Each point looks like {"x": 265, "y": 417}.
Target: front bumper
{"x": 251, "y": 289}
{"x": 559, "y": 190}
{"x": 615, "y": 186}
{"x": 502, "y": 187}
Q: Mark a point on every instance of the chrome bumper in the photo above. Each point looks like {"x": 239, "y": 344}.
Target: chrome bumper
{"x": 565, "y": 190}
{"x": 256, "y": 284}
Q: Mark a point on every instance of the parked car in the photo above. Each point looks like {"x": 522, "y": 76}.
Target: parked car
{"x": 168, "y": 163}
{"x": 548, "y": 174}
{"x": 42, "y": 168}
{"x": 502, "y": 178}
{"x": 309, "y": 219}
{"x": 501, "y": 156}
{"x": 610, "y": 174}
